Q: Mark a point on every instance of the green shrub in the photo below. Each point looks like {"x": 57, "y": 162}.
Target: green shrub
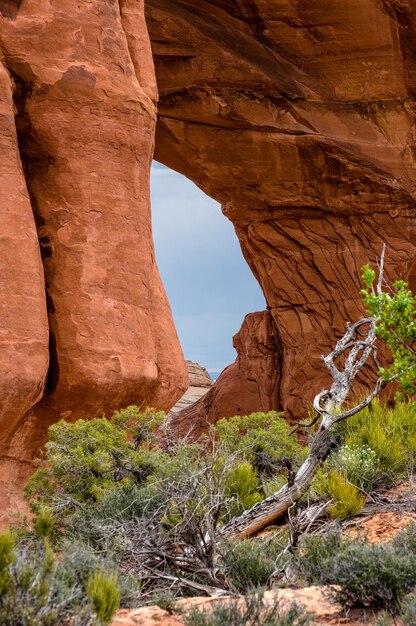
{"x": 376, "y": 447}
{"x": 389, "y": 431}
{"x": 242, "y": 487}
{"x": 249, "y": 611}
{"x": 408, "y": 610}
{"x": 120, "y": 505}
{"x": 395, "y": 313}
{"x": 375, "y": 576}
{"x": 262, "y": 438}
{"x": 141, "y": 425}
{"x": 316, "y": 555}
{"x": 129, "y": 499}
{"x": 104, "y": 592}
{"x": 36, "y": 593}
{"x": 165, "y": 599}
{"x": 405, "y": 540}
{"x": 347, "y": 498}
{"x": 79, "y": 560}
{"x": 7, "y": 558}
{"x": 272, "y": 485}
{"x": 44, "y": 523}
{"x": 249, "y": 563}
{"x": 87, "y": 457}
{"x": 383, "y": 619}
{"x": 358, "y": 464}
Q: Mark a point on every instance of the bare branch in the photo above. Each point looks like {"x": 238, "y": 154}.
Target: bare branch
{"x": 358, "y": 347}
{"x": 381, "y": 270}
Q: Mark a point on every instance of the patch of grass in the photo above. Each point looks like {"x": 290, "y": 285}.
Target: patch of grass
{"x": 358, "y": 464}
{"x": 383, "y": 619}
{"x": 347, "y": 499}
{"x": 373, "y": 448}
{"x": 242, "y": 486}
{"x": 103, "y": 590}
{"x": 389, "y": 431}
{"x": 249, "y": 563}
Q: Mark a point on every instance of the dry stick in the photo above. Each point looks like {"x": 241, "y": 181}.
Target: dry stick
{"x": 326, "y": 404}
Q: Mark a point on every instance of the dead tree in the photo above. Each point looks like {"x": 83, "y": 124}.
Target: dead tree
{"x": 357, "y": 346}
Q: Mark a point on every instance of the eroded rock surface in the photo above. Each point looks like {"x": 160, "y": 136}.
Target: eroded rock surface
{"x": 84, "y": 104}
{"x": 298, "y": 117}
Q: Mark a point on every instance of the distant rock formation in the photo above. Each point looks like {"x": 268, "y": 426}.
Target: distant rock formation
{"x": 250, "y": 384}
{"x": 198, "y": 375}
{"x": 199, "y": 384}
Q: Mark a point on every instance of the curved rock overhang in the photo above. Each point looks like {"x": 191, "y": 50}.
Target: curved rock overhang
{"x": 299, "y": 119}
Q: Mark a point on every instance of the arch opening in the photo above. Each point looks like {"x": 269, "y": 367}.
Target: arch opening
{"x": 209, "y": 284}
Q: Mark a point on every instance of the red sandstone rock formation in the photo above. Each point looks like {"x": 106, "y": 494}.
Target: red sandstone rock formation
{"x": 84, "y": 100}
{"x": 297, "y": 116}
{"x": 250, "y": 384}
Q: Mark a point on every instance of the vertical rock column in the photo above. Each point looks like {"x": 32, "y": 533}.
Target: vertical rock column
{"x": 85, "y": 120}
{"x": 86, "y": 129}
{"x": 23, "y": 319}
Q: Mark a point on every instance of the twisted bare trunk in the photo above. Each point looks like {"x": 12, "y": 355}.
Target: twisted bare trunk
{"x": 358, "y": 346}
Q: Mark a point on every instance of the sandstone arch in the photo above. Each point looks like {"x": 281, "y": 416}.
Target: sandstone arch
{"x": 297, "y": 116}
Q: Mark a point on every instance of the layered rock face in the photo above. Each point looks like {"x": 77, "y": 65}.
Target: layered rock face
{"x": 91, "y": 331}
{"x": 198, "y": 375}
{"x": 199, "y": 384}
{"x": 298, "y": 117}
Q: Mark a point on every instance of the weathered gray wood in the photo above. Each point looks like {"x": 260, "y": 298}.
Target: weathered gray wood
{"x": 359, "y": 349}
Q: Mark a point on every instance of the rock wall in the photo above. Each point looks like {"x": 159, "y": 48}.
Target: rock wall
{"x": 91, "y": 331}
{"x": 298, "y": 117}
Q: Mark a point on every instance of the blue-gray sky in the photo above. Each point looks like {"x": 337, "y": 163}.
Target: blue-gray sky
{"x": 209, "y": 285}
